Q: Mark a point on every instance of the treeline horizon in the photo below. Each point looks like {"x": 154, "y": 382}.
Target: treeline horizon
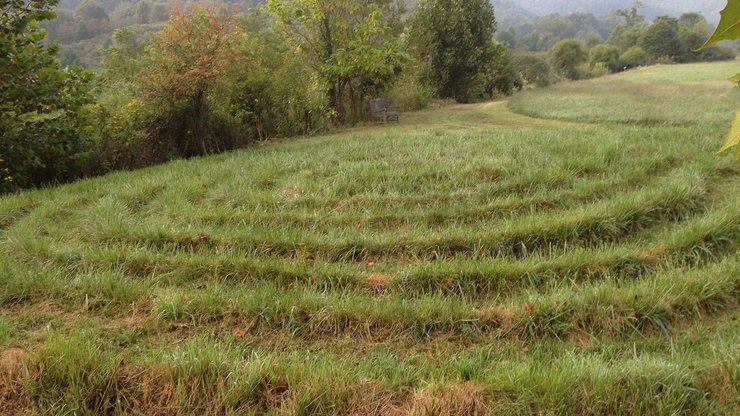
{"x": 84, "y": 28}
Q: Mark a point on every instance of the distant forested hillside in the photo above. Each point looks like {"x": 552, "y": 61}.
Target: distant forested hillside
{"x": 84, "y": 27}
{"x": 651, "y": 8}
{"x": 511, "y": 11}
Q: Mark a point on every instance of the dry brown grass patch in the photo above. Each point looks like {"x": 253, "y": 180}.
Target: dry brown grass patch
{"x": 13, "y": 371}
{"x": 655, "y": 255}
{"x": 466, "y": 399}
{"x": 489, "y": 174}
{"x": 379, "y": 282}
{"x": 373, "y": 398}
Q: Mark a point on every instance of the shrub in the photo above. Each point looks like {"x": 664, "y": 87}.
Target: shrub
{"x": 409, "y": 93}
{"x": 607, "y": 55}
{"x": 565, "y": 56}
{"x": 634, "y": 57}
{"x": 588, "y": 71}
{"x": 182, "y": 85}
{"x": 717, "y": 53}
{"x": 499, "y": 77}
{"x": 533, "y": 68}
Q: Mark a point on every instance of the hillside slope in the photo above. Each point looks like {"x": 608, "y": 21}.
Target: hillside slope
{"x": 468, "y": 261}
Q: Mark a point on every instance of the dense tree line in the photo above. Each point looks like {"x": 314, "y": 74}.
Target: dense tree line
{"x": 580, "y": 45}
{"x": 214, "y": 79}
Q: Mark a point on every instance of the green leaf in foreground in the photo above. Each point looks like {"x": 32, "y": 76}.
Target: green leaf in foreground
{"x": 729, "y": 25}
{"x": 734, "y": 138}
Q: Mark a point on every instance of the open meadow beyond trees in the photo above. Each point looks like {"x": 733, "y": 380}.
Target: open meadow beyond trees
{"x": 571, "y": 252}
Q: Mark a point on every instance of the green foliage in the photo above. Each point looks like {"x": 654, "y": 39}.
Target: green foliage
{"x": 183, "y": 84}
{"x": 661, "y": 40}
{"x": 533, "y": 68}
{"x": 565, "y": 57}
{"x": 544, "y": 32}
{"x": 122, "y": 60}
{"x": 549, "y": 30}
{"x": 729, "y": 29}
{"x": 607, "y": 55}
{"x": 410, "y": 94}
{"x": 272, "y": 90}
{"x": 92, "y": 20}
{"x": 165, "y": 99}
{"x": 500, "y": 76}
{"x": 667, "y": 40}
{"x": 42, "y": 107}
{"x": 352, "y": 47}
{"x": 729, "y": 25}
{"x": 625, "y": 36}
{"x": 454, "y": 39}
{"x": 634, "y": 57}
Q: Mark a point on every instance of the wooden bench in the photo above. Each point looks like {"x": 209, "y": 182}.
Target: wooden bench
{"x": 381, "y": 112}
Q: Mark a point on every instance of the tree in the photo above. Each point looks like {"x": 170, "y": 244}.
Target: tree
{"x": 122, "y": 61}
{"x": 661, "y": 40}
{"x": 549, "y": 30}
{"x": 42, "y": 107}
{"x": 565, "y": 57}
{"x": 533, "y": 68}
{"x": 352, "y": 46}
{"x": 500, "y": 76}
{"x": 182, "y": 77}
{"x": 625, "y": 35}
{"x": 633, "y": 58}
{"x": 453, "y": 38}
{"x": 93, "y": 19}
{"x": 632, "y": 15}
{"x": 273, "y": 92}
{"x": 693, "y": 31}
{"x": 608, "y": 55}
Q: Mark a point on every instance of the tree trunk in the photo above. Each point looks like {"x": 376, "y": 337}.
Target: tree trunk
{"x": 336, "y": 102}
{"x": 198, "y": 128}
{"x": 354, "y": 102}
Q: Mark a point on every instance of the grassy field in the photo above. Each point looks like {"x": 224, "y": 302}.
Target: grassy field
{"x": 472, "y": 260}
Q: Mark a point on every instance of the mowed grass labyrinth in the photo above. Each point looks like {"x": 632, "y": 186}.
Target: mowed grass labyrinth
{"x": 566, "y": 258}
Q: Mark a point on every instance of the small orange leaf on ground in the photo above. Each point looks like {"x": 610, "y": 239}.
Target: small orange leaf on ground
{"x": 370, "y": 264}
{"x": 239, "y": 333}
{"x": 204, "y": 237}
{"x": 528, "y": 307}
